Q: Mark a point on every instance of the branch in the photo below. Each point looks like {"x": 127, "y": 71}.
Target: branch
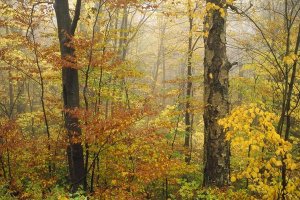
{"x": 241, "y": 12}
{"x": 140, "y": 24}
{"x": 14, "y": 103}
{"x": 229, "y": 65}
{"x": 195, "y": 43}
{"x": 76, "y": 17}
{"x": 22, "y": 71}
{"x": 4, "y": 109}
{"x": 32, "y": 11}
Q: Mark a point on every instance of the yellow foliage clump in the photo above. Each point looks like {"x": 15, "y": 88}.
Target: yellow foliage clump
{"x": 214, "y": 7}
{"x": 290, "y": 59}
{"x": 252, "y": 134}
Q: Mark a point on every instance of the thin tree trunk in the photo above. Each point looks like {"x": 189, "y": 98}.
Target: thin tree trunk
{"x": 123, "y": 48}
{"x": 11, "y": 95}
{"x": 3, "y": 166}
{"x": 30, "y": 102}
{"x": 159, "y": 56}
{"x": 92, "y": 176}
{"x": 8, "y": 164}
{"x": 188, "y": 117}
{"x": 288, "y": 115}
{"x": 164, "y": 75}
{"x": 42, "y": 97}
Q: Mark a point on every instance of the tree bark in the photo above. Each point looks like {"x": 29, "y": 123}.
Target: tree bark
{"x": 216, "y": 72}
{"x": 66, "y": 29}
{"x": 189, "y": 85}
{"x": 288, "y": 114}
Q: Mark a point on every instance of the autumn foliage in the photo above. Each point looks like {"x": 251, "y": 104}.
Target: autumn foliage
{"x": 140, "y": 112}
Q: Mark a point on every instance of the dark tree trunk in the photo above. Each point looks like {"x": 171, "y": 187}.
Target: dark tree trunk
{"x": 66, "y": 29}
{"x": 188, "y": 114}
{"x": 216, "y": 68}
{"x": 288, "y": 114}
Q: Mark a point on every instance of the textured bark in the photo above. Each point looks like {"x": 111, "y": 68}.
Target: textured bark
{"x": 66, "y": 29}
{"x": 216, "y": 68}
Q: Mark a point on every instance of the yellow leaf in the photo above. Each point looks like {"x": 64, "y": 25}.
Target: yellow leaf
{"x": 62, "y": 198}
{"x": 293, "y": 166}
{"x": 113, "y": 182}
{"x": 278, "y": 163}
{"x": 222, "y": 12}
{"x": 233, "y": 179}
{"x": 253, "y": 174}
{"x": 256, "y": 169}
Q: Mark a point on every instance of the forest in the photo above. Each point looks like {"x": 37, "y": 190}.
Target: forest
{"x": 150, "y": 99}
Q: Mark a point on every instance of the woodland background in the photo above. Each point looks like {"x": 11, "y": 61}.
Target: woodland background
{"x": 134, "y": 127}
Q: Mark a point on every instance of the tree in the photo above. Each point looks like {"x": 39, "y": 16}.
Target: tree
{"x": 216, "y": 75}
{"x": 66, "y": 30}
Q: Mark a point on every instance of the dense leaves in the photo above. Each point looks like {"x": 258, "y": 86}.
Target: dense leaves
{"x": 140, "y": 66}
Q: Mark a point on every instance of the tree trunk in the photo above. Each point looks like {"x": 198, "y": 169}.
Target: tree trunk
{"x": 188, "y": 114}
{"x": 66, "y": 29}
{"x": 288, "y": 114}
{"x": 216, "y": 70}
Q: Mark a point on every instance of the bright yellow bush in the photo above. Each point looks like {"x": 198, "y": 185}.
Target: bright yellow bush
{"x": 261, "y": 151}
